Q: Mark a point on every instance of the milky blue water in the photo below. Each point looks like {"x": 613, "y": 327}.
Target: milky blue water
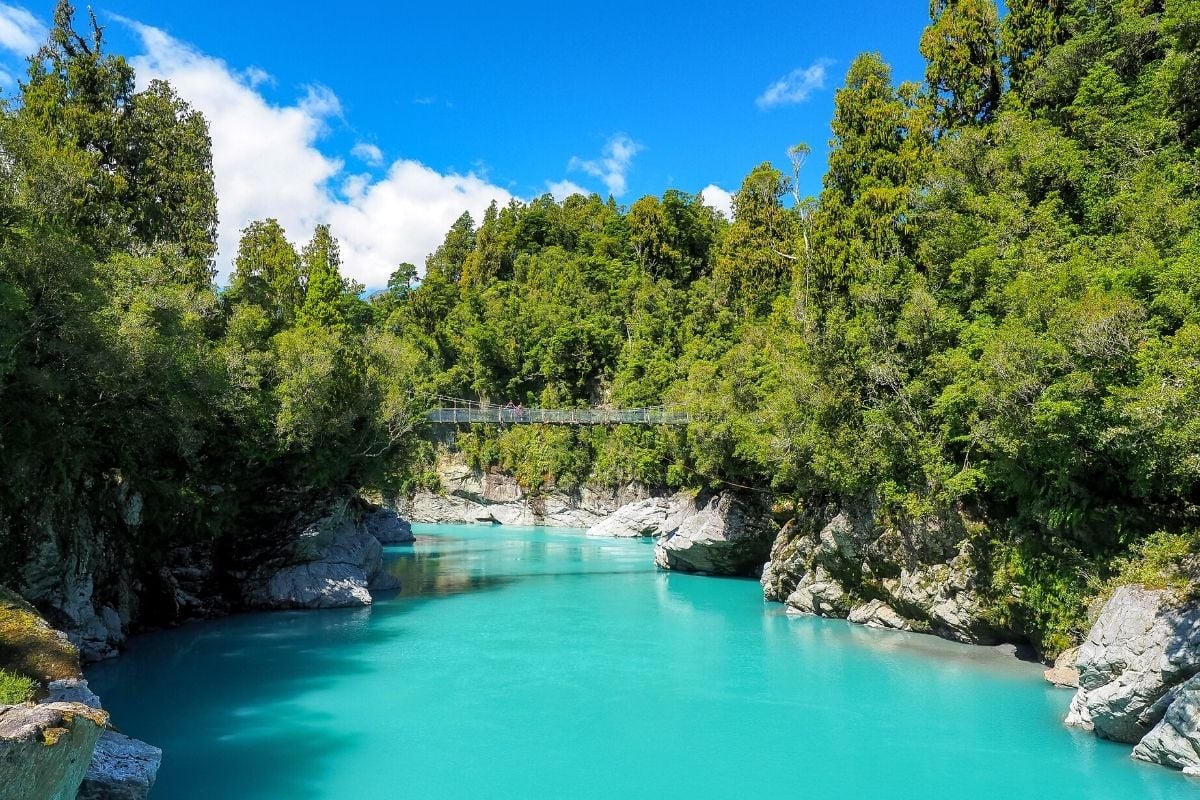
{"x": 537, "y": 663}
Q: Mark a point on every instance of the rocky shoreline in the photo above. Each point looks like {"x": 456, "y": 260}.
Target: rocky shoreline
{"x": 63, "y": 746}
{"x": 1137, "y": 677}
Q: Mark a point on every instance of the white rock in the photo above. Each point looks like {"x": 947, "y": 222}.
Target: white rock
{"x": 723, "y": 537}
{"x": 642, "y": 518}
{"x": 1142, "y": 645}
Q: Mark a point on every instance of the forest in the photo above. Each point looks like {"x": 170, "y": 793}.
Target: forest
{"x": 992, "y": 304}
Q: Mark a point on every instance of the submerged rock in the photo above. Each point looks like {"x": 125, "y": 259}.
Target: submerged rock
{"x": 1142, "y": 647}
{"x": 721, "y": 535}
{"x": 45, "y": 749}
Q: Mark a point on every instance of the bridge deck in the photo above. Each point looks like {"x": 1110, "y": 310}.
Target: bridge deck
{"x": 558, "y": 416}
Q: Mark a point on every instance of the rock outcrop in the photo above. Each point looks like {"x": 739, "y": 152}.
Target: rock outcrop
{"x": 910, "y": 575}
{"x": 78, "y": 573}
{"x": 45, "y": 749}
{"x": 121, "y": 769}
{"x": 724, "y": 534}
{"x": 388, "y": 527}
{"x": 641, "y": 518}
{"x": 334, "y": 562}
{"x": 878, "y": 614}
{"x": 1138, "y": 658}
{"x": 1064, "y": 674}
{"x": 491, "y": 497}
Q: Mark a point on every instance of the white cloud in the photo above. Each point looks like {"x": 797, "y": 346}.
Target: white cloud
{"x": 20, "y": 32}
{"x": 716, "y": 197}
{"x": 796, "y": 86}
{"x": 612, "y": 167}
{"x": 267, "y": 164}
{"x": 368, "y": 153}
{"x": 564, "y": 189}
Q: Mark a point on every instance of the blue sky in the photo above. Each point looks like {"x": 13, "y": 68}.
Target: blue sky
{"x": 388, "y": 120}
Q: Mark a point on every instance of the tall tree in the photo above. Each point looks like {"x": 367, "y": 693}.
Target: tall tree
{"x": 962, "y": 50}
{"x": 266, "y": 272}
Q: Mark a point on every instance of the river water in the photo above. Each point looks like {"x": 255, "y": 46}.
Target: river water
{"x": 538, "y": 663}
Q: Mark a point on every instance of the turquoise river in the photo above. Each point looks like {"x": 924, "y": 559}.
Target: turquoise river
{"x": 538, "y": 663}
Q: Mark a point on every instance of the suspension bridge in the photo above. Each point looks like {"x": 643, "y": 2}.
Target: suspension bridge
{"x": 455, "y": 410}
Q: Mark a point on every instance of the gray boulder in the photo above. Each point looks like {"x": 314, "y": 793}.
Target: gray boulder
{"x": 1175, "y": 741}
{"x": 878, "y": 614}
{"x": 642, "y": 518}
{"x": 721, "y": 535}
{"x": 45, "y": 749}
{"x": 1142, "y": 647}
{"x": 121, "y": 769}
{"x": 334, "y": 563}
{"x": 388, "y": 527}
{"x": 72, "y": 690}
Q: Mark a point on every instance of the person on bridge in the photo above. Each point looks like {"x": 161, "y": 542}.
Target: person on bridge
{"x": 520, "y": 412}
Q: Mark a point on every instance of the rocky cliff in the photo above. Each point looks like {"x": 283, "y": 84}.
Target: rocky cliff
{"x": 848, "y": 561}
{"x": 1139, "y": 677}
{"x": 469, "y": 495}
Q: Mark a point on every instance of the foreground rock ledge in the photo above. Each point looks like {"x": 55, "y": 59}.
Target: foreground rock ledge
{"x": 45, "y": 749}
{"x": 1138, "y": 677}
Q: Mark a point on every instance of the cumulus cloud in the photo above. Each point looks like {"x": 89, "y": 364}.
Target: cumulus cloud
{"x": 613, "y": 165}
{"x": 561, "y": 190}
{"x": 368, "y": 153}
{"x": 796, "y": 86}
{"x": 20, "y": 32}
{"x": 268, "y": 164}
{"x": 716, "y": 197}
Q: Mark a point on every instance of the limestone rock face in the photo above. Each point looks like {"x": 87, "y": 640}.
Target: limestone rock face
{"x": 472, "y": 496}
{"x": 121, "y": 769}
{"x": 45, "y": 749}
{"x": 878, "y": 614}
{"x": 388, "y": 527}
{"x": 828, "y": 560}
{"x": 1137, "y": 655}
{"x": 719, "y": 535}
{"x": 642, "y": 518}
{"x": 333, "y": 563}
{"x": 1175, "y": 740}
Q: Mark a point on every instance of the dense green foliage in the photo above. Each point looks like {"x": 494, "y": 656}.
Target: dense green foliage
{"x": 993, "y": 304}
{"x": 121, "y": 365}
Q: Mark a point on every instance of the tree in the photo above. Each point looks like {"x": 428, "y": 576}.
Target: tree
{"x": 324, "y": 288}
{"x": 962, "y": 51}
{"x": 754, "y": 264}
{"x": 266, "y": 272}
